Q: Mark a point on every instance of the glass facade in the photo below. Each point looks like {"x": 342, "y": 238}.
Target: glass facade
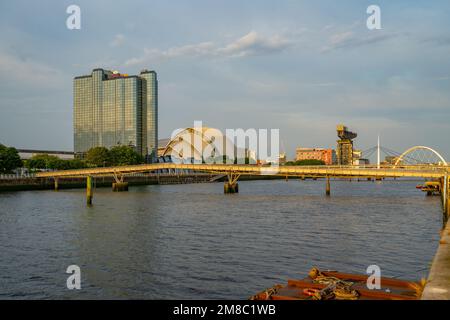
{"x": 115, "y": 109}
{"x": 150, "y": 103}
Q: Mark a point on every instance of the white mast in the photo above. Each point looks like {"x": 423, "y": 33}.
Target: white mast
{"x": 378, "y": 153}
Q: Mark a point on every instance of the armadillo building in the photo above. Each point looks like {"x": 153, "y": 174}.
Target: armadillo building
{"x": 112, "y": 109}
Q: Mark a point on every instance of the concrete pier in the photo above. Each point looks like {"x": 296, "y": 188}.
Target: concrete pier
{"x": 328, "y": 189}
{"x": 438, "y": 283}
{"x": 230, "y": 187}
{"x": 120, "y": 186}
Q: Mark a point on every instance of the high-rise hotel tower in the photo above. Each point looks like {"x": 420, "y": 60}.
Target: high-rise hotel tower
{"x": 113, "y": 109}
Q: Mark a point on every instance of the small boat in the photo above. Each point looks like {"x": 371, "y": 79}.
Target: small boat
{"x": 333, "y": 285}
{"x": 430, "y": 187}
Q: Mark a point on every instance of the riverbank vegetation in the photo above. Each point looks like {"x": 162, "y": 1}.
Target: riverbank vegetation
{"x": 116, "y": 156}
{"x": 95, "y": 157}
{"x": 9, "y": 159}
{"x": 307, "y": 162}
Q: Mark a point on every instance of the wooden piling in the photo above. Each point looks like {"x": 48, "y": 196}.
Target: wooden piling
{"x": 327, "y": 188}
{"x": 89, "y": 190}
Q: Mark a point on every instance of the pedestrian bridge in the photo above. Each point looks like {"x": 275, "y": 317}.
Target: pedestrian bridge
{"x": 234, "y": 171}
{"x": 418, "y": 171}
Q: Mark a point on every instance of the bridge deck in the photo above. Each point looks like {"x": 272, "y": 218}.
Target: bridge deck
{"x": 332, "y": 171}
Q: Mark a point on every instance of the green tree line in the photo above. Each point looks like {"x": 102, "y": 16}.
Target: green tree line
{"x": 306, "y": 162}
{"x": 45, "y": 161}
{"x": 116, "y": 156}
{"x": 95, "y": 157}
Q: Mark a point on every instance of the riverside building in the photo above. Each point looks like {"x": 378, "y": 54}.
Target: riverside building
{"x": 113, "y": 109}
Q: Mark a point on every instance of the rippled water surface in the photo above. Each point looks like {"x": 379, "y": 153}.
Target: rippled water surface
{"x": 194, "y": 242}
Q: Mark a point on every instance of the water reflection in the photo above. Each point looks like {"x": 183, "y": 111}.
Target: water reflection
{"x": 194, "y": 242}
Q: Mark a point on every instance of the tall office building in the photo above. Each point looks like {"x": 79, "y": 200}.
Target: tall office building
{"x": 113, "y": 109}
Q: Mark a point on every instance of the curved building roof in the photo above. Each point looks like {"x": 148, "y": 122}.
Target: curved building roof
{"x": 200, "y": 144}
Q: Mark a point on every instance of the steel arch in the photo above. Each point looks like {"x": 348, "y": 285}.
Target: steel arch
{"x": 400, "y": 158}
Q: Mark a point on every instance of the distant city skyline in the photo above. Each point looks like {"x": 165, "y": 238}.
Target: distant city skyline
{"x": 302, "y": 67}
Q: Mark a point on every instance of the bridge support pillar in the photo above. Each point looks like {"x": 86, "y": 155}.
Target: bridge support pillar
{"x": 231, "y": 186}
{"x": 327, "y": 188}
{"x": 56, "y": 184}
{"x": 119, "y": 186}
{"x": 89, "y": 190}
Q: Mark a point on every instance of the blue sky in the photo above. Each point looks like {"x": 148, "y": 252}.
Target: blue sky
{"x": 300, "y": 66}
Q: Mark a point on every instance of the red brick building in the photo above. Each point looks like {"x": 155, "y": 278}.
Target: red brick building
{"x": 326, "y": 155}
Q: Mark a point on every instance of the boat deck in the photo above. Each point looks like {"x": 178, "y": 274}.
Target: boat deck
{"x": 391, "y": 289}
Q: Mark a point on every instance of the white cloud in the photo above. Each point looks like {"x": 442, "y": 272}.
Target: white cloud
{"x": 339, "y": 38}
{"x": 248, "y": 45}
{"x": 118, "y": 40}
{"x": 254, "y": 44}
{"x": 350, "y": 39}
{"x": 28, "y": 72}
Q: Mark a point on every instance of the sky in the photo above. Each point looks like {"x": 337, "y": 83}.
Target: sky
{"x": 299, "y": 66}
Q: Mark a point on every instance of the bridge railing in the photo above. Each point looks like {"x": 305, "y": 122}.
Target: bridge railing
{"x": 249, "y": 169}
{"x": 13, "y": 176}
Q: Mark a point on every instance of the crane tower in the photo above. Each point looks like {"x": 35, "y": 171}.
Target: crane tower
{"x": 344, "y": 152}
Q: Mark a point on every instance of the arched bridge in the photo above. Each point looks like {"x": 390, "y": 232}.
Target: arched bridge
{"x": 425, "y": 155}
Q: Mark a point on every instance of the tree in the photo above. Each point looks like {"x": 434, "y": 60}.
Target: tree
{"x": 306, "y": 162}
{"x": 76, "y": 164}
{"x": 42, "y": 161}
{"x": 9, "y": 159}
{"x": 45, "y": 161}
{"x": 309, "y": 162}
{"x": 125, "y": 155}
{"x": 35, "y": 163}
{"x": 98, "y": 157}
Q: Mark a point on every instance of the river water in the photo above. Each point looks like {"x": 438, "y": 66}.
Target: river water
{"x": 194, "y": 242}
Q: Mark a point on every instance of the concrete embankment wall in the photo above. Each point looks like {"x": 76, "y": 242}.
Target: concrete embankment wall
{"x": 438, "y": 283}
{"x": 24, "y": 184}
{"x": 73, "y": 183}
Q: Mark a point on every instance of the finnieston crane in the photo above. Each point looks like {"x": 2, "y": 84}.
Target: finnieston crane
{"x": 344, "y": 150}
